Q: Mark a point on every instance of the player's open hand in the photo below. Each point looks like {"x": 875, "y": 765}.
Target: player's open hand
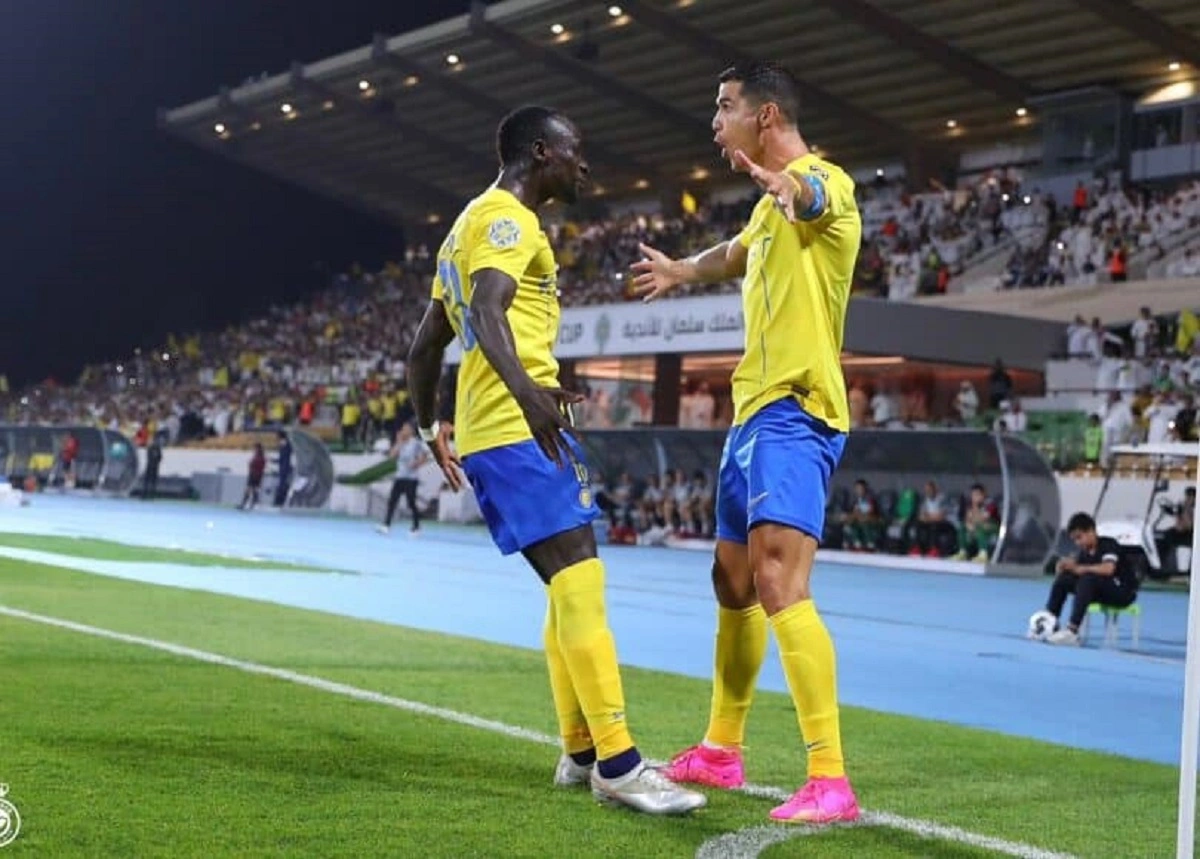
{"x": 547, "y": 411}
{"x": 444, "y": 456}
{"x": 781, "y": 186}
{"x": 655, "y": 275}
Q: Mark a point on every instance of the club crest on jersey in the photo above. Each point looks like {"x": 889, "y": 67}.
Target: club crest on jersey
{"x": 504, "y": 233}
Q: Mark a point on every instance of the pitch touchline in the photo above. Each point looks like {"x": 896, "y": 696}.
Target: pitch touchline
{"x": 923, "y": 828}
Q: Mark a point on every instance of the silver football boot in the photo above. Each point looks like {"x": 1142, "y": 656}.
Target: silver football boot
{"x": 570, "y": 774}
{"x": 647, "y": 790}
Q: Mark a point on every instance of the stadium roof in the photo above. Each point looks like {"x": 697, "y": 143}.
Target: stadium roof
{"x": 399, "y": 129}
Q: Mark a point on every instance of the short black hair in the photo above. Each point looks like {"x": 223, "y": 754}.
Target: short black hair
{"x": 519, "y": 130}
{"x": 1081, "y": 522}
{"x": 763, "y": 81}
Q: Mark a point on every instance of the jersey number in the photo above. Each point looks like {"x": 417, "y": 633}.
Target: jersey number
{"x": 459, "y": 313}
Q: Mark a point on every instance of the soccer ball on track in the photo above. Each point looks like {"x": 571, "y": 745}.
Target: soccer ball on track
{"x": 1041, "y": 625}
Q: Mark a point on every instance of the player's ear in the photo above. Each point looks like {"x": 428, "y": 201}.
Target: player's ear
{"x": 540, "y": 150}
{"x": 767, "y": 114}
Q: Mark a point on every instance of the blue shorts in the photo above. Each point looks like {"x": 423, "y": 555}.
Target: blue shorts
{"x": 776, "y": 468}
{"x": 525, "y": 498}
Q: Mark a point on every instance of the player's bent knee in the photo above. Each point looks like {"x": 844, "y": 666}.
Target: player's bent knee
{"x": 555, "y": 554}
{"x": 781, "y": 558}
{"x": 733, "y": 593}
{"x": 776, "y": 590}
{"x": 733, "y": 582}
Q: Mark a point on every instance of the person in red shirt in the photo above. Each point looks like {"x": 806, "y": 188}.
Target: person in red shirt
{"x": 70, "y": 450}
{"x": 1116, "y": 264}
{"x": 1080, "y": 201}
{"x": 258, "y": 465}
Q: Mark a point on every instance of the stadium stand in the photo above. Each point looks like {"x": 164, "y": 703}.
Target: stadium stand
{"x": 1061, "y": 213}
{"x": 348, "y": 342}
{"x": 308, "y": 362}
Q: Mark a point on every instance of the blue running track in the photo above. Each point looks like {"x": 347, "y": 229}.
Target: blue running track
{"x": 925, "y": 644}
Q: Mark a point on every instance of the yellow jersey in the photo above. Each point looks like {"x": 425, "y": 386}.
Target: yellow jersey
{"x": 794, "y": 298}
{"x": 497, "y": 231}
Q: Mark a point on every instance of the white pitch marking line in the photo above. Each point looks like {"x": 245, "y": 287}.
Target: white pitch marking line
{"x": 923, "y": 828}
{"x": 749, "y": 843}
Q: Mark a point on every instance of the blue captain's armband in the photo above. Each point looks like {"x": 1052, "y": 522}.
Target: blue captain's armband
{"x": 819, "y": 199}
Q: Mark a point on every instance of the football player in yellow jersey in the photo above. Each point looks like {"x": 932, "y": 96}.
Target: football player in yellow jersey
{"x": 496, "y": 290}
{"x": 796, "y": 258}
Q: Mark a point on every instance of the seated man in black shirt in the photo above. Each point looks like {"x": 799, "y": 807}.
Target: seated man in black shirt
{"x": 1097, "y": 574}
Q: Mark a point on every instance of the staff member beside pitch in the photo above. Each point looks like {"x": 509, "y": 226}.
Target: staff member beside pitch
{"x": 1097, "y": 574}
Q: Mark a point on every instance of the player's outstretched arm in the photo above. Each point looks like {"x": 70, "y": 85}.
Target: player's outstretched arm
{"x": 657, "y": 274}
{"x": 545, "y": 409}
{"x": 424, "y": 373}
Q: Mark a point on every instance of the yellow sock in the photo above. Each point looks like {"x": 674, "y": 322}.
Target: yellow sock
{"x": 590, "y": 654}
{"x": 741, "y": 646}
{"x": 810, "y": 666}
{"x": 572, "y": 726}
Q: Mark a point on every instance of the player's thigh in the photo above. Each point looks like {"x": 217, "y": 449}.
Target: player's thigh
{"x": 792, "y": 461}
{"x": 534, "y": 506}
{"x": 733, "y": 581}
{"x": 731, "y": 491}
{"x": 557, "y": 533}
{"x": 794, "y": 457}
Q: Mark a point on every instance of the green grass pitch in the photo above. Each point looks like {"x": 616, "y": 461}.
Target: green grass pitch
{"x": 117, "y": 749}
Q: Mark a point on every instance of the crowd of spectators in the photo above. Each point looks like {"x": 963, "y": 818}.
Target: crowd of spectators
{"x": 1095, "y": 237}
{"x": 913, "y": 243}
{"x": 1147, "y": 379}
{"x": 337, "y": 355}
{"x": 336, "y": 360}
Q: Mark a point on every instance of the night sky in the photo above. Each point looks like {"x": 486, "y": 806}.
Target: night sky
{"x": 116, "y": 233}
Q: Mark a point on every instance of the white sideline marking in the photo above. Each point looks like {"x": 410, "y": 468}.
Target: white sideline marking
{"x": 728, "y": 843}
{"x": 750, "y": 842}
